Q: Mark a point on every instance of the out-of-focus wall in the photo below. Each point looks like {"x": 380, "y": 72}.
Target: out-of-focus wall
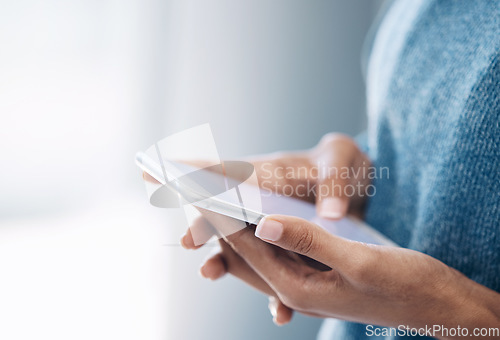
{"x": 266, "y": 74}
{"x": 84, "y": 84}
{"x": 78, "y": 241}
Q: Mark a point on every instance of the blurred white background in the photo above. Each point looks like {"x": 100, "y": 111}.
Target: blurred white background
{"x": 85, "y": 84}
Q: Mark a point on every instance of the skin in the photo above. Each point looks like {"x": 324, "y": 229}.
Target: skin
{"x": 372, "y": 284}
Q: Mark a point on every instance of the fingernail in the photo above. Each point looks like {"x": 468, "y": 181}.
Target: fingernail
{"x": 331, "y": 207}
{"x": 183, "y": 242}
{"x": 273, "y": 306}
{"x": 187, "y": 242}
{"x": 203, "y": 272}
{"x": 270, "y": 230}
{"x": 207, "y": 273}
{"x": 277, "y": 321}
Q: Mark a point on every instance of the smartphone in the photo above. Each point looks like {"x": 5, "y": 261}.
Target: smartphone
{"x": 195, "y": 193}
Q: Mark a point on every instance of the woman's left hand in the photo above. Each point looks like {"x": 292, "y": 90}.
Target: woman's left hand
{"x": 372, "y": 284}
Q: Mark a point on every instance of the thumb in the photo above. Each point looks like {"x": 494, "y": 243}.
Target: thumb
{"x": 306, "y": 238}
{"x": 334, "y": 159}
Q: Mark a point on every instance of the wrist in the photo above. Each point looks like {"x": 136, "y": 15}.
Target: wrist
{"x": 469, "y": 305}
{"x": 481, "y": 308}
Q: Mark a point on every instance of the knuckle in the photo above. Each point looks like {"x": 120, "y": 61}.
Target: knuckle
{"x": 304, "y": 241}
{"x": 343, "y": 146}
{"x": 295, "y": 300}
{"x": 362, "y": 268}
{"x": 238, "y": 239}
{"x": 334, "y": 138}
{"x": 303, "y": 298}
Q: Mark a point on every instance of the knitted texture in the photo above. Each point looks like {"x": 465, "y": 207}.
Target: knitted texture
{"x": 433, "y": 87}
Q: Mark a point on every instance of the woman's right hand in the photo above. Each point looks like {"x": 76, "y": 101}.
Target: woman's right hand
{"x": 332, "y": 174}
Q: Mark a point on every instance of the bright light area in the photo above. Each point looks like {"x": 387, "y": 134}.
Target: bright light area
{"x": 81, "y": 253}
{"x": 71, "y": 277}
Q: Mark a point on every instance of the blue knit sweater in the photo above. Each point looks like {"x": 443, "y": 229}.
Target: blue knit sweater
{"x": 433, "y": 87}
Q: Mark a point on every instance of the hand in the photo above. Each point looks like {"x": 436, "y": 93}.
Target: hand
{"x": 335, "y": 164}
{"x": 387, "y": 286}
{"x": 332, "y": 165}
{"x": 226, "y": 260}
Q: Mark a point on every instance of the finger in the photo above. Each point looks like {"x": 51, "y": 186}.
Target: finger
{"x": 306, "y": 238}
{"x": 280, "y": 312}
{"x": 228, "y": 261}
{"x": 214, "y": 268}
{"x": 198, "y": 234}
{"x": 222, "y": 226}
{"x": 286, "y": 174}
{"x": 276, "y": 270}
{"x": 334, "y": 158}
{"x": 238, "y": 267}
{"x": 147, "y": 177}
{"x": 187, "y": 241}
